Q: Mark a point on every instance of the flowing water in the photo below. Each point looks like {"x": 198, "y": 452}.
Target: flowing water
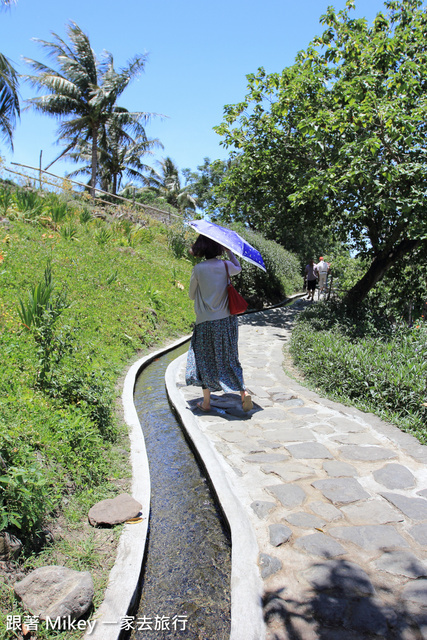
{"x": 185, "y": 590}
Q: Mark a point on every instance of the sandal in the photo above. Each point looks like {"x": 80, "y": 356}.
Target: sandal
{"x": 247, "y": 403}
{"x": 201, "y": 407}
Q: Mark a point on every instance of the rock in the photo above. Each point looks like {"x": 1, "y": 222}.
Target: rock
{"x": 114, "y": 511}
{"x": 279, "y": 533}
{"x": 10, "y": 546}
{"x": 56, "y": 592}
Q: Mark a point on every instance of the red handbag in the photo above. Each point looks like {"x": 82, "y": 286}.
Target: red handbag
{"x": 236, "y": 303}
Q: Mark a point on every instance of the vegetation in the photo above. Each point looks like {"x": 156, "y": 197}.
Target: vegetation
{"x": 83, "y": 92}
{"x": 9, "y": 101}
{"x": 358, "y": 357}
{"x": 337, "y": 141}
{"x": 121, "y": 146}
{"x": 80, "y": 296}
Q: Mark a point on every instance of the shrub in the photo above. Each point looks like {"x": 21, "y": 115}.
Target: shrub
{"x": 362, "y": 359}
{"x": 283, "y": 275}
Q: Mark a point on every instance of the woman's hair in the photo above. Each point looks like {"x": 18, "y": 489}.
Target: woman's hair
{"x": 204, "y": 247}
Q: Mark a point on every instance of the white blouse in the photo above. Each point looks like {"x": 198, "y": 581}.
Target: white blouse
{"x": 208, "y": 289}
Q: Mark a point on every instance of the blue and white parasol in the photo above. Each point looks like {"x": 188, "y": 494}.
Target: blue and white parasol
{"x": 230, "y": 240}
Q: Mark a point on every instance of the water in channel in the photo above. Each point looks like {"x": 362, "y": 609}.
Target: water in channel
{"x": 185, "y": 590}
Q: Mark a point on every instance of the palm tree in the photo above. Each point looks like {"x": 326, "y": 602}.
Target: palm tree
{"x": 119, "y": 153}
{"x": 82, "y": 92}
{"x": 9, "y": 102}
{"x": 167, "y": 185}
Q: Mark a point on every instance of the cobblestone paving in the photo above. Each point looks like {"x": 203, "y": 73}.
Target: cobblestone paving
{"x": 337, "y": 499}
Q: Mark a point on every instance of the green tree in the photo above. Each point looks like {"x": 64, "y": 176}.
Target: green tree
{"x": 82, "y": 92}
{"x": 166, "y": 184}
{"x": 338, "y": 139}
{"x": 122, "y": 143}
{"x": 203, "y": 182}
{"x": 9, "y": 101}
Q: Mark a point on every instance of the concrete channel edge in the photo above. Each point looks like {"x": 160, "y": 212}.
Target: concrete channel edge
{"x": 247, "y": 621}
{"x": 122, "y": 589}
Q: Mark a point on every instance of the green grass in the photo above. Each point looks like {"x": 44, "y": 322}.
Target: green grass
{"x": 362, "y": 360}
{"x": 62, "y": 443}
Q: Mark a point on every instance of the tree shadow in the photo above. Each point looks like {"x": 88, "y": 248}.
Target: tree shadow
{"x": 342, "y": 604}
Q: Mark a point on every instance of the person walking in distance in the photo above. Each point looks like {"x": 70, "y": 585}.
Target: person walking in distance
{"x": 322, "y": 269}
{"x": 311, "y": 279}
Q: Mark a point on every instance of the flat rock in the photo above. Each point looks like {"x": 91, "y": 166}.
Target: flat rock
{"x": 320, "y": 545}
{"x": 415, "y": 592}
{"x": 370, "y": 537}
{"x": 309, "y": 451}
{"x": 268, "y": 565}
{"x": 305, "y": 520}
{"x": 340, "y": 575}
{"x": 372, "y": 512}
{"x": 279, "y": 533}
{"x": 419, "y": 533}
{"x": 338, "y": 469}
{"x": 415, "y": 508}
{"x": 325, "y": 510}
{"x": 113, "y": 511}
{"x": 56, "y": 592}
{"x": 262, "y": 508}
{"x": 341, "y": 490}
{"x": 367, "y": 453}
{"x": 345, "y": 425}
{"x": 395, "y": 476}
{"x": 290, "y": 496}
{"x": 402, "y": 563}
{"x": 266, "y": 457}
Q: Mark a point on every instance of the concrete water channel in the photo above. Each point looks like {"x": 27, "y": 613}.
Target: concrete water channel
{"x": 186, "y": 572}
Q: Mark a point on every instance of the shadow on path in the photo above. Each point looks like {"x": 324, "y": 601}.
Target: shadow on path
{"x": 343, "y": 604}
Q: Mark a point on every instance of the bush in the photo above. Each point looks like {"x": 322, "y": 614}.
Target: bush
{"x": 360, "y": 358}
{"x": 283, "y": 275}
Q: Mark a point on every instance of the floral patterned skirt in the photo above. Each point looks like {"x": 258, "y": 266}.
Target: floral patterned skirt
{"x": 213, "y": 358}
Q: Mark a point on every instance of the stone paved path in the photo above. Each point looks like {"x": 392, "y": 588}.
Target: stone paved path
{"x": 337, "y": 499}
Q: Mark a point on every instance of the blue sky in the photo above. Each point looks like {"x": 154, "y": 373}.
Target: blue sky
{"x": 199, "y": 53}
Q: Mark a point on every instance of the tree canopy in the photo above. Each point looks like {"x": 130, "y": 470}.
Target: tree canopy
{"x": 82, "y": 92}
{"x": 338, "y": 141}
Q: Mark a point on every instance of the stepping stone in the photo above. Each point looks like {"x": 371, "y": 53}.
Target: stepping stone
{"x": 355, "y": 438}
{"x": 419, "y": 533}
{"x": 289, "y": 471}
{"x": 320, "y": 545}
{"x": 305, "y": 520}
{"x": 341, "y": 490}
{"x": 347, "y": 426}
{"x": 375, "y": 511}
{"x": 289, "y": 495}
{"x": 370, "y": 537}
{"x": 309, "y": 451}
{"x": 56, "y": 592}
{"x": 414, "y": 508}
{"x": 341, "y": 576}
{"x": 266, "y": 457}
{"x": 367, "y": 454}
{"x": 303, "y": 411}
{"x": 279, "y": 533}
{"x": 262, "y": 508}
{"x": 113, "y": 511}
{"x": 325, "y": 510}
{"x": 415, "y": 592}
{"x": 367, "y": 617}
{"x": 395, "y": 476}
{"x": 268, "y": 565}
{"x": 338, "y": 469}
{"x": 402, "y": 563}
